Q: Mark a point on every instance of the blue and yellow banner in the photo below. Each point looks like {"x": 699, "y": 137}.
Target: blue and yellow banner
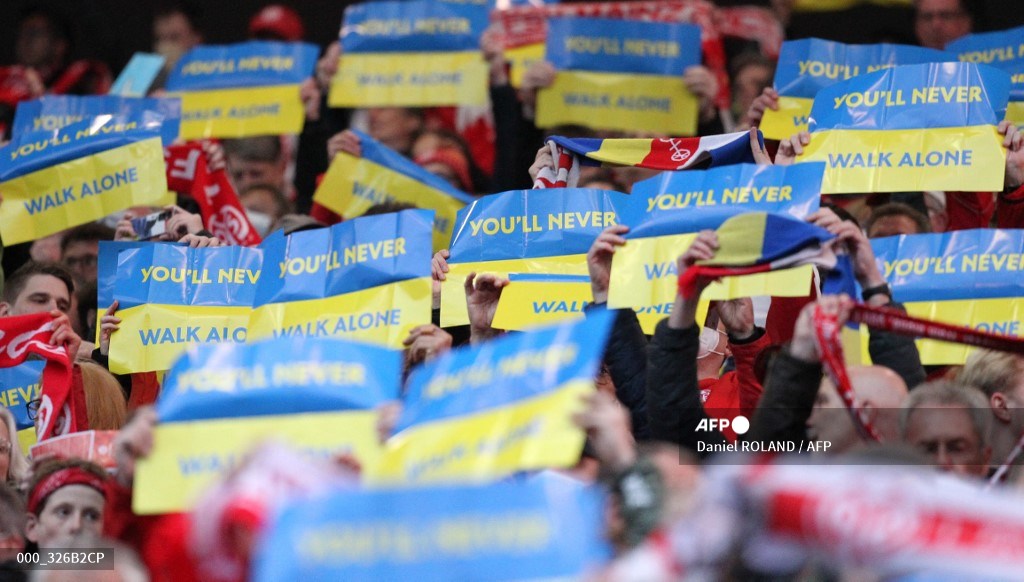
{"x": 242, "y": 90}
{"x": 541, "y": 529}
{"x": 484, "y": 412}
{"x": 620, "y": 75}
{"x": 217, "y": 403}
{"x": 53, "y": 180}
{"x": 353, "y": 184}
{"x": 808, "y": 65}
{"x": 53, "y": 112}
{"x": 20, "y": 385}
{"x": 365, "y": 279}
{"x": 531, "y": 300}
{"x": 966, "y": 277}
{"x": 529, "y": 232}
{"x": 173, "y": 297}
{"x": 666, "y": 213}
{"x": 910, "y": 129}
{"x": 415, "y": 53}
{"x": 1004, "y": 50}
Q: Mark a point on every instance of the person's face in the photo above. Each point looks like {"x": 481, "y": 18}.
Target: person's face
{"x": 245, "y": 173}
{"x": 42, "y": 294}
{"x": 5, "y": 450}
{"x": 445, "y": 172}
{"x": 36, "y": 43}
{"x": 830, "y": 422}
{"x": 893, "y": 225}
{"x": 68, "y": 512}
{"x": 393, "y": 126}
{"x": 80, "y": 258}
{"x": 261, "y": 200}
{"x": 947, "y": 435}
{"x": 749, "y": 83}
{"x": 173, "y": 36}
{"x": 938, "y": 22}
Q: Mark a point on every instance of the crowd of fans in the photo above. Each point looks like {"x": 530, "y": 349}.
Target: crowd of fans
{"x": 652, "y": 391}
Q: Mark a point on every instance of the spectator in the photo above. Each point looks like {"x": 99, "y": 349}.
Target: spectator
{"x": 264, "y": 204}
{"x": 950, "y": 423}
{"x": 44, "y": 45}
{"x": 1000, "y": 376}
{"x": 176, "y": 31}
{"x": 14, "y": 467}
{"x": 105, "y": 404}
{"x": 895, "y": 218}
{"x": 80, "y": 249}
{"x": 66, "y": 497}
{"x": 256, "y": 160}
{"x": 939, "y": 22}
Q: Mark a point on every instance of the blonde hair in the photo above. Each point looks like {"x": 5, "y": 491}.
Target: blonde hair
{"x": 18, "y": 469}
{"x": 105, "y": 405}
{"x": 992, "y": 371}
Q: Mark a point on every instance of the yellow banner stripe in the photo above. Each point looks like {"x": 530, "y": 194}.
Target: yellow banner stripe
{"x": 1004, "y": 316}
{"x": 337, "y": 193}
{"x": 519, "y": 60}
{"x": 166, "y": 331}
{"x": 410, "y": 80}
{"x": 537, "y": 433}
{"x": 617, "y": 101}
{"x": 834, "y": 5}
{"x": 789, "y": 120}
{"x": 380, "y": 315}
{"x": 1015, "y": 112}
{"x": 244, "y": 112}
{"x": 453, "y": 291}
{"x": 954, "y": 159}
{"x": 640, "y": 278}
{"x": 83, "y": 190}
{"x": 188, "y": 457}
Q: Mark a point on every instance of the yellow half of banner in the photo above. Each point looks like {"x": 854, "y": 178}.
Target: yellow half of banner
{"x": 428, "y": 79}
{"x": 617, "y": 101}
{"x": 833, "y": 5}
{"x": 453, "y": 290}
{"x": 352, "y": 185}
{"x": 644, "y": 277}
{"x": 188, "y": 457}
{"x": 954, "y": 159}
{"x": 1015, "y": 112}
{"x": 536, "y": 433}
{"x": 73, "y": 193}
{"x": 26, "y": 438}
{"x": 381, "y": 315}
{"x": 526, "y": 304}
{"x": 152, "y": 336}
{"x": 242, "y": 112}
{"x": 789, "y": 120}
{"x": 519, "y": 60}
{"x": 1002, "y": 316}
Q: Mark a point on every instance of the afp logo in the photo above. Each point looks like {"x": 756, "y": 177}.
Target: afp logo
{"x": 739, "y": 423}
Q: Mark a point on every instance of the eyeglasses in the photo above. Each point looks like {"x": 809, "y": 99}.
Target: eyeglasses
{"x": 32, "y": 406}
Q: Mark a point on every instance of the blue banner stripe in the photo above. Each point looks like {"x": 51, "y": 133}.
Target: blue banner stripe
{"x": 622, "y": 46}
{"x": 247, "y": 64}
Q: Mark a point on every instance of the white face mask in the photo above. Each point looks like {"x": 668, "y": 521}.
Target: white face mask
{"x": 260, "y": 221}
{"x": 708, "y": 342}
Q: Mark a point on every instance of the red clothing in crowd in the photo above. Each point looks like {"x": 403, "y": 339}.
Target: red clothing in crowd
{"x": 737, "y": 392}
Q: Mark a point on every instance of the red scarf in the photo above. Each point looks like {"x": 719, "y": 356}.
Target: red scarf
{"x": 62, "y": 406}
{"x": 218, "y": 202}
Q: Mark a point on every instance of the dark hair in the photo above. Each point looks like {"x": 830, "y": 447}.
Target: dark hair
{"x": 264, "y": 148}
{"x": 898, "y": 209}
{"x": 87, "y": 301}
{"x": 17, "y": 281}
{"x": 749, "y": 58}
{"x": 388, "y": 207}
{"x": 88, "y": 232}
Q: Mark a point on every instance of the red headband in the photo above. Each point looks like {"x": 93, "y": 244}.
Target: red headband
{"x": 63, "y": 478}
